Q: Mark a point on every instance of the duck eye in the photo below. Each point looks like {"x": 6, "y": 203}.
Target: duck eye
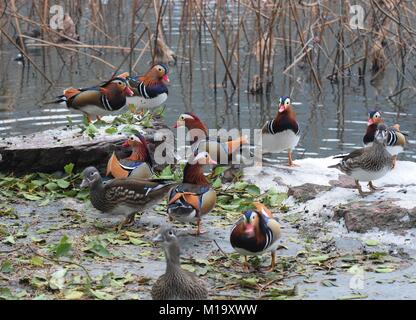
{"x": 170, "y": 233}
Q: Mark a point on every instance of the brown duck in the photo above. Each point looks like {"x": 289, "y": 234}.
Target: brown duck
{"x": 123, "y": 196}
{"x": 99, "y": 100}
{"x": 176, "y": 283}
{"x": 138, "y": 165}
{"x": 194, "y": 197}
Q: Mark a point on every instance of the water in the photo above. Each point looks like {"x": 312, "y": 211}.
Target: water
{"x": 331, "y": 123}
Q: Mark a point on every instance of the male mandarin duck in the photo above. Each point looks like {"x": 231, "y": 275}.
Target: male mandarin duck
{"x": 138, "y": 165}
{"x": 123, "y": 196}
{"x": 369, "y": 163}
{"x": 396, "y": 140}
{"x": 255, "y": 233}
{"x": 221, "y": 152}
{"x": 194, "y": 197}
{"x": 99, "y": 100}
{"x": 281, "y": 133}
{"x": 176, "y": 283}
{"x": 150, "y": 90}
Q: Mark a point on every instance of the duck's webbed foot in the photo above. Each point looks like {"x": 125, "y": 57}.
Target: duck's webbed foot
{"x": 372, "y": 187}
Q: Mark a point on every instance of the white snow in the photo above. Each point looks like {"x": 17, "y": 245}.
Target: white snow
{"x": 399, "y": 186}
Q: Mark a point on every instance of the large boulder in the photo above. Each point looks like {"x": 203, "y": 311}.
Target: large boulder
{"x": 306, "y": 192}
{"x": 362, "y": 216}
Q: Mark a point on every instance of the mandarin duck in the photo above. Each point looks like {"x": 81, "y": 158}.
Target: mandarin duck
{"x": 396, "y": 140}
{"x": 369, "y": 163}
{"x": 281, "y": 133}
{"x": 176, "y": 283}
{"x": 221, "y": 152}
{"x": 255, "y": 233}
{"x": 150, "y": 90}
{"x": 194, "y": 197}
{"x": 99, "y": 100}
{"x": 123, "y": 196}
{"x": 138, "y": 165}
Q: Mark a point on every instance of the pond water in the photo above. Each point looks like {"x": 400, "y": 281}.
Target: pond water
{"x": 331, "y": 122}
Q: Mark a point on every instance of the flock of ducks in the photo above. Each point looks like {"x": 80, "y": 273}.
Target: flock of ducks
{"x": 133, "y": 189}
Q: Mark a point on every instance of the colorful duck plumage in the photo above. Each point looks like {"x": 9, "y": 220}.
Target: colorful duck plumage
{"x": 138, "y": 165}
{"x": 150, "y": 90}
{"x": 283, "y": 132}
{"x": 194, "y": 197}
{"x": 98, "y": 100}
{"x": 255, "y": 233}
{"x": 396, "y": 140}
{"x": 222, "y": 152}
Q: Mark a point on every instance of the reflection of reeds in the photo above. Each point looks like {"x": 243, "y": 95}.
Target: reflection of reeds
{"x": 248, "y": 37}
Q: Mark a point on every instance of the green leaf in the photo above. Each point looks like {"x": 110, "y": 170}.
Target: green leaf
{"x": 138, "y": 242}
{"x": 31, "y": 197}
{"x": 69, "y": 168}
{"x": 329, "y": 283}
{"x": 253, "y": 190}
{"x": 9, "y": 239}
{"x": 37, "y": 261}
{"x": 371, "y": 242}
{"x": 240, "y": 185}
{"x": 111, "y": 130}
{"x": 73, "y": 294}
{"x": 98, "y": 249}
{"x": 354, "y": 296}
{"x": 6, "y": 267}
{"x": 6, "y": 294}
{"x": 188, "y": 267}
{"x": 318, "y": 259}
{"x": 217, "y": 183}
{"x": 63, "y": 184}
{"x": 384, "y": 270}
{"x": 63, "y": 247}
{"x": 51, "y": 186}
{"x": 99, "y": 294}
{"x": 219, "y": 170}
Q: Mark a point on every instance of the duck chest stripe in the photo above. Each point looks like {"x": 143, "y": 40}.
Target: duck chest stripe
{"x": 270, "y": 127}
{"x": 392, "y": 138}
{"x": 143, "y": 91}
{"x": 105, "y": 103}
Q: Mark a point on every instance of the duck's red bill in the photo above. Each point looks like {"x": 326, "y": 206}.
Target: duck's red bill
{"x": 128, "y": 91}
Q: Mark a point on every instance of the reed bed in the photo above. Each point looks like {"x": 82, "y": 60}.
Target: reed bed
{"x": 252, "y": 41}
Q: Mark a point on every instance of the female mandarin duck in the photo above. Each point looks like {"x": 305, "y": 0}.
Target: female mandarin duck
{"x": 281, "y": 133}
{"x": 369, "y": 163}
{"x": 222, "y": 152}
{"x": 255, "y": 233}
{"x": 150, "y": 90}
{"x": 138, "y": 165}
{"x": 396, "y": 140}
{"x": 194, "y": 197}
{"x": 123, "y": 196}
{"x": 176, "y": 283}
{"x": 97, "y": 101}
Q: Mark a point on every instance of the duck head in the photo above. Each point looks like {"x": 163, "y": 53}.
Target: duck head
{"x": 374, "y": 117}
{"x": 190, "y": 121}
{"x": 140, "y": 148}
{"x": 381, "y": 134}
{"x": 91, "y": 177}
{"x": 284, "y": 104}
{"x": 157, "y": 73}
{"x": 250, "y": 222}
{"x": 202, "y": 158}
{"x": 169, "y": 241}
{"x": 118, "y": 85}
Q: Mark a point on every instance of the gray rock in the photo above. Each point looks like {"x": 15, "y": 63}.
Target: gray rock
{"x": 306, "y": 191}
{"x": 363, "y": 216}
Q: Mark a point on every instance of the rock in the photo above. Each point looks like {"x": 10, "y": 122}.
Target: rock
{"x": 363, "y": 216}
{"x": 49, "y": 151}
{"x": 306, "y": 192}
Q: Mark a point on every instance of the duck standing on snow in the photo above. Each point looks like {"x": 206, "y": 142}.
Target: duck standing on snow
{"x": 99, "y": 100}
{"x": 396, "y": 140}
{"x": 176, "y": 283}
{"x": 255, "y": 233}
{"x": 370, "y": 163}
{"x": 138, "y": 165}
{"x": 194, "y": 197}
{"x": 221, "y": 152}
{"x": 150, "y": 90}
{"x": 123, "y": 196}
{"x": 281, "y": 133}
